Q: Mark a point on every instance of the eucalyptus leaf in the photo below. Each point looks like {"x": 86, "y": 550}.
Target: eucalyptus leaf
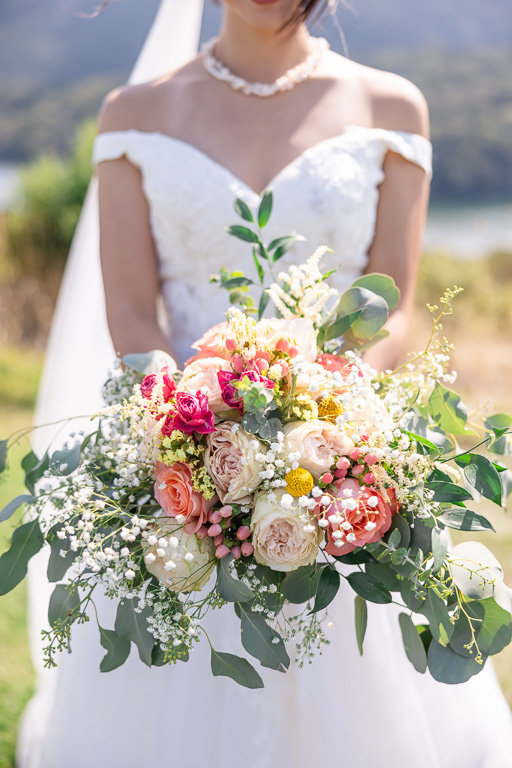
{"x": 400, "y": 525}
{"x": 446, "y": 666}
{"x": 327, "y": 588}
{"x": 361, "y": 618}
{"x": 265, "y": 298}
{"x": 448, "y": 492}
{"x": 259, "y": 268}
{"x": 499, "y": 423}
{"x": 230, "y": 589}
{"x": 237, "y": 282}
{"x": 64, "y": 601}
{"x": 26, "y": 541}
{"x": 150, "y": 362}
{"x": 464, "y": 519}
{"x": 491, "y": 625}
{"x": 117, "y": 647}
{"x": 243, "y": 233}
{"x": 369, "y": 587}
{"x": 382, "y": 285}
{"x": 385, "y": 572}
{"x": 9, "y": 510}
{"x": 235, "y": 667}
{"x": 434, "y": 608}
{"x": 358, "y": 556}
{"x": 412, "y": 643}
{"x": 35, "y": 472}
{"x": 265, "y": 208}
{"x": 58, "y": 565}
{"x": 340, "y": 326}
{"x": 243, "y": 210}
{"x": 263, "y": 642}
{"x": 299, "y": 586}
{"x": 448, "y": 411}
{"x": 482, "y": 475}
{"x": 440, "y": 544}
{"x": 132, "y": 624}
{"x": 285, "y": 243}
{"x": 373, "y": 313}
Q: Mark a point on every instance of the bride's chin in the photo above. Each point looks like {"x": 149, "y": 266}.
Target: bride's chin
{"x": 263, "y": 14}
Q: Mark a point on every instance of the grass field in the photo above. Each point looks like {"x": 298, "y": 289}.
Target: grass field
{"x": 481, "y": 329}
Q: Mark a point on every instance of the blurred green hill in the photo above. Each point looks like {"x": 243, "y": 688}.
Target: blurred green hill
{"x": 56, "y": 67}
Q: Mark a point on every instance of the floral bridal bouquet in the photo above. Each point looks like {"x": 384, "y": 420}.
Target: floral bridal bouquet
{"x": 276, "y": 464}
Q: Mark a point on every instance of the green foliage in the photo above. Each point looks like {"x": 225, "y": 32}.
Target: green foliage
{"x": 238, "y": 669}
{"x": 41, "y": 225}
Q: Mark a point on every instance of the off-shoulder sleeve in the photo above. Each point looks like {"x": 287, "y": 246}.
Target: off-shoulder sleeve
{"x": 114, "y": 144}
{"x": 414, "y": 147}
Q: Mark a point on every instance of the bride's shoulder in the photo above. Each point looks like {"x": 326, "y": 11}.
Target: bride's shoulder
{"x": 143, "y": 106}
{"x": 394, "y": 102}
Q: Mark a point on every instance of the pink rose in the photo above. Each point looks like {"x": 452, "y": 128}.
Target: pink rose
{"x": 164, "y": 378}
{"x": 368, "y": 512}
{"x": 192, "y": 414}
{"x": 211, "y": 344}
{"x": 202, "y": 374}
{"x": 174, "y": 493}
{"x": 299, "y": 331}
{"x": 230, "y": 393}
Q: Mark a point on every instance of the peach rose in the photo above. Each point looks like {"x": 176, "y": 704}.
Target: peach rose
{"x": 317, "y": 442}
{"x": 230, "y": 460}
{"x": 366, "y": 514}
{"x": 176, "y": 496}
{"x": 202, "y": 374}
{"x": 281, "y": 538}
{"x": 211, "y": 343}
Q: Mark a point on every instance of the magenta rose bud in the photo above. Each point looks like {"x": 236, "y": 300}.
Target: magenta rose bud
{"x": 243, "y": 532}
{"x": 147, "y": 385}
{"x": 226, "y": 511}
{"x": 214, "y": 517}
{"x": 238, "y": 363}
{"x": 326, "y": 478}
{"x": 229, "y": 392}
{"x": 214, "y": 530}
{"x": 218, "y": 540}
{"x": 247, "y": 548}
{"x": 193, "y": 414}
{"x": 221, "y": 551}
{"x": 368, "y": 478}
{"x": 343, "y": 463}
{"x": 371, "y": 459}
{"x": 236, "y": 552}
{"x": 202, "y": 533}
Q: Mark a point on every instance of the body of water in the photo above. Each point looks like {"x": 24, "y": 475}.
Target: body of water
{"x": 463, "y": 231}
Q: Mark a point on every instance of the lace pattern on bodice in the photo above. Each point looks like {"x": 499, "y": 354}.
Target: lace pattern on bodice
{"x": 329, "y": 194}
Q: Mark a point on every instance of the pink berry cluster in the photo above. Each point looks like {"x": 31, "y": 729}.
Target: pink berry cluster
{"x": 228, "y": 538}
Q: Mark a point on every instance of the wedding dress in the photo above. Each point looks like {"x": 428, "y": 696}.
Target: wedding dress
{"x": 343, "y": 710}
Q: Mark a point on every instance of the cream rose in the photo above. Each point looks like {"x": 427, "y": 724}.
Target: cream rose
{"x": 202, "y": 374}
{"x": 317, "y": 442}
{"x": 281, "y": 538}
{"x": 187, "y": 563}
{"x": 230, "y": 460}
{"x": 369, "y": 414}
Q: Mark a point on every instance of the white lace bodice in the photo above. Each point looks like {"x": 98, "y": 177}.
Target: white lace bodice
{"x": 329, "y": 194}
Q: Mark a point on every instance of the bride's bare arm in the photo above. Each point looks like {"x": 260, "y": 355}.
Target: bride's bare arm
{"x": 401, "y": 214}
{"x": 128, "y": 257}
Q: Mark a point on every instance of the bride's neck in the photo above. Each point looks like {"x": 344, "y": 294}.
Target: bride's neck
{"x": 260, "y": 55}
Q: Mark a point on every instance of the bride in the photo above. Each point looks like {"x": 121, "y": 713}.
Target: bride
{"x": 345, "y": 149}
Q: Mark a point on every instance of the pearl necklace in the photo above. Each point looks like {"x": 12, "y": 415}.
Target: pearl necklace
{"x": 286, "y": 82}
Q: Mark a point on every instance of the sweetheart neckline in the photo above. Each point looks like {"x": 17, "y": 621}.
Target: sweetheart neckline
{"x": 349, "y": 129}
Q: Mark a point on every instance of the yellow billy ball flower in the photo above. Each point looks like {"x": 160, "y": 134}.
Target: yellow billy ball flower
{"x": 329, "y": 408}
{"x": 299, "y": 482}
